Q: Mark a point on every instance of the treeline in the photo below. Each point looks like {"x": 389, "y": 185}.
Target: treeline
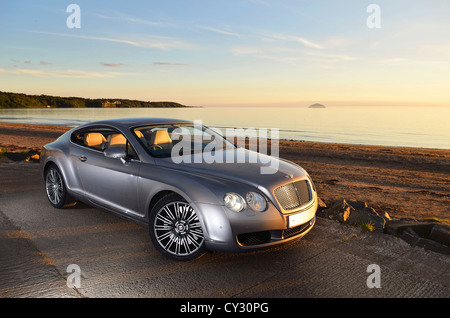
{"x": 18, "y": 100}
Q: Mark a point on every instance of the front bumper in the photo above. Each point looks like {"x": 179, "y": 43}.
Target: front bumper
{"x": 228, "y": 231}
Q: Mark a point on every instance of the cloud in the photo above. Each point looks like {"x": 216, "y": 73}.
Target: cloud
{"x": 60, "y": 73}
{"x": 168, "y": 63}
{"x": 44, "y": 63}
{"x": 129, "y": 19}
{"x": 148, "y": 42}
{"x": 111, "y": 64}
{"x": 281, "y": 54}
{"x": 219, "y": 31}
{"x": 293, "y": 38}
{"x": 334, "y": 57}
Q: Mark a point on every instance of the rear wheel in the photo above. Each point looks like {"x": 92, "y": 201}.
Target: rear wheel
{"x": 55, "y": 188}
{"x": 175, "y": 229}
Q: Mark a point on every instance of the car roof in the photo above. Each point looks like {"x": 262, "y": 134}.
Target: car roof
{"x": 136, "y": 121}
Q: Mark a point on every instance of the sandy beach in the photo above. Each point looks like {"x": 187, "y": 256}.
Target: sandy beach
{"x": 404, "y": 182}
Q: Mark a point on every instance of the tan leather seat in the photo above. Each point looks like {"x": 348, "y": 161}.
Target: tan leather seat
{"x": 161, "y": 137}
{"x": 141, "y": 136}
{"x": 117, "y": 140}
{"x": 160, "y": 140}
{"x": 94, "y": 140}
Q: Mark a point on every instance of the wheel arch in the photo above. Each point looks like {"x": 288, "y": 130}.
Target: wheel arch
{"x": 47, "y": 165}
{"x": 158, "y": 196}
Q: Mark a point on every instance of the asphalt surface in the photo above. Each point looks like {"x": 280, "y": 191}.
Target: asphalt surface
{"x": 117, "y": 259}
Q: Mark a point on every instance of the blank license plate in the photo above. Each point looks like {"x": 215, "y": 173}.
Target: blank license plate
{"x": 296, "y": 219}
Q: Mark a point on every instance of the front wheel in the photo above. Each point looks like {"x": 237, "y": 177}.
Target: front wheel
{"x": 175, "y": 229}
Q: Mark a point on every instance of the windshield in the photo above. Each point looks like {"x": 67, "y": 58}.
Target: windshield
{"x": 165, "y": 140}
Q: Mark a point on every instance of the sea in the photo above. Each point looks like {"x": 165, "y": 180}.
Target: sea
{"x": 423, "y": 127}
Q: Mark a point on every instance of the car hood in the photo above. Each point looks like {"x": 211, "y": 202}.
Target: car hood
{"x": 264, "y": 171}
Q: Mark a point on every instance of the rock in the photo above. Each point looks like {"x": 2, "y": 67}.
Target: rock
{"x": 339, "y": 211}
{"x": 367, "y": 216}
{"x": 409, "y": 236}
{"x": 414, "y": 239}
{"x": 397, "y": 227}
{"x": 33, "y": 158}
{"x": 358, "y": 205}
{"x": 426, "y": 234}
{"x": 429, "y": 235}
{"x": 441, "y": 234}
{"x": 321, "y": 204}
{"x": 385, "y": 216}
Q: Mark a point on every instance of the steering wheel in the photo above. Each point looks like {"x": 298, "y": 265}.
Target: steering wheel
{"x": 155, "y": 146}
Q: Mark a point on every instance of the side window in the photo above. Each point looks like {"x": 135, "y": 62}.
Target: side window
{"x": 116, "y": 139}
{"x": 102, "y": 138}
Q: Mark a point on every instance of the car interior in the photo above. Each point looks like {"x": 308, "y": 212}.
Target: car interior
{"x": 102, "y": 139}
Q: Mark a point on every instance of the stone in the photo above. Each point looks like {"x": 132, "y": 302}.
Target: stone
{"x": 385, "y": 216}
{"x": 441, "y": 234}
{"x": 427, "y": 234}
{"x": 339, "y": 211}
{"x": 367, "y": 216}
{"x": 413, "y": 239}
{"x": 321, "y": 204}
{"x": 397, "y": 227}
{"x": 357, "y": 205}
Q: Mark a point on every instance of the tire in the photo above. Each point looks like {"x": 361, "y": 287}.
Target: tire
{"x": 55, "y": 188}
{"x": 175, "y": 229}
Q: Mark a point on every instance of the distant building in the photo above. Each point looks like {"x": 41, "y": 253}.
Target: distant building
{"x": 109, "y": 104}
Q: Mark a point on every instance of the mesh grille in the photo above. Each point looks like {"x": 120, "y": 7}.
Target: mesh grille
{"x": 293, "y": 195}
{"x": 287, "y": 196}
{"x": 254, "y": 238}
{"x": 295, "y": 230}
{"x": 303, "y": 191}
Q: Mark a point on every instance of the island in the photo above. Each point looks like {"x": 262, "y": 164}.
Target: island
{"x": 317, "y": 106}
{"x": 19, "y": 100}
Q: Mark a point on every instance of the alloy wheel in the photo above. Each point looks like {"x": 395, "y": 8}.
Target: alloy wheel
{"x": 178, "y": 230}
{"x": 54, "y": 186}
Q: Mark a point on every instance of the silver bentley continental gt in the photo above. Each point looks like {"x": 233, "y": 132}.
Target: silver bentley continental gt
{"x": 155, "y": 172}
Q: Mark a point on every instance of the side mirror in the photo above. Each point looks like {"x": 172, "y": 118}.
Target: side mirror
{"x": 115, "y": 153}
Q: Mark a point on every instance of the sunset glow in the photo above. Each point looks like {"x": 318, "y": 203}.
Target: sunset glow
{"x": 245, "y": 52}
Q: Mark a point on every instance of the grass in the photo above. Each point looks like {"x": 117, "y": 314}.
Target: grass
{"x": 3, "y": 152}
{"x": 346, "y": 238}
{"x": 437, "y": 220}
{"x": 368, "y": 227}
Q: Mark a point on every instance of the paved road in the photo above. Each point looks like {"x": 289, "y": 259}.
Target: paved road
{"x": 117, "y": 259}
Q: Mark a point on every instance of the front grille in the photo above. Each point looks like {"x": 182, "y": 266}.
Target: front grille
{"x": 293, "y": 195}
{"x": 254, "y": 238}
{"x": 295, "y": 230}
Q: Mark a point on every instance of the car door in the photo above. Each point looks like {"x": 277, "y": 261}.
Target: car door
{"x": 109, "y": 182}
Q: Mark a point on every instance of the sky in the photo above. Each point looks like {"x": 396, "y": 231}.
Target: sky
{"x": 235, "y": 52}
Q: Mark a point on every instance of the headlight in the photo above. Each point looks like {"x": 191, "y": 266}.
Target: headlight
{"x": 256, "y": 201}
{"x": 234, "y": 202}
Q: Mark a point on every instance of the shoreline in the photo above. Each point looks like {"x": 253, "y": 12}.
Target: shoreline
{"x": 60, "y": 128}
{"x": 405, "y": 182}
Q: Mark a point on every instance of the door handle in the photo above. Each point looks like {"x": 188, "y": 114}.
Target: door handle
{"x": 83, "y": 158}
